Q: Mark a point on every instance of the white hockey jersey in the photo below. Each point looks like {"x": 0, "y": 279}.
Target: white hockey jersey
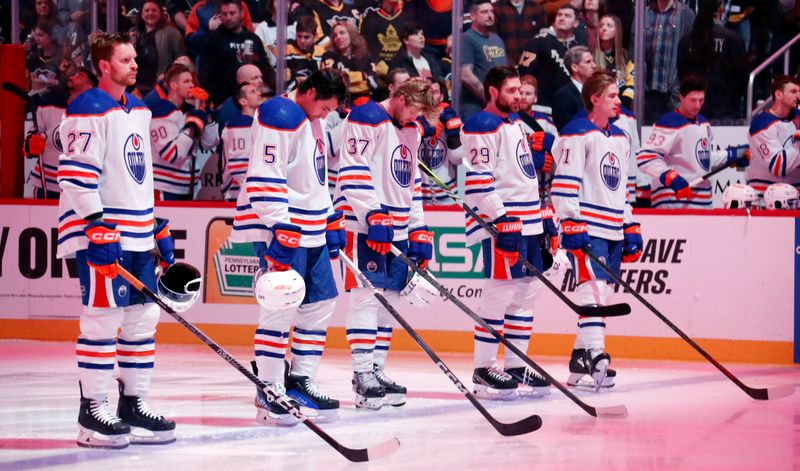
{"x": 591, "y": 175}
{"x": 676, "y": 143}
{"x": 378, "y": 170}
{"x": 286, "y": 180}
{"x": 49, "y": 116}
{"x": 774, "y": 152}
{"x": 237, "y": 146}
{"x": 334, "y": 124}
{"x": 106, "y": 168}
{"x": 172, "y": 148}
{"x": 626, "y": 122}
{"x": 500, "y": 174}
{"x": 444, "y": 162}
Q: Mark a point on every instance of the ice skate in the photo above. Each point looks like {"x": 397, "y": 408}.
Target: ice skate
{"x": 395, "y": 393}
{"x": 491, "y": 383}
{"x": 581, "y": 364}
{"x": 530, "y": 382}
{"x": 99, "y": 428}
{"x": 269, "y": 412}
{"x": 305, "y": 393}
{"x": 146, "y": 427}
{"x": 369, "y": 392}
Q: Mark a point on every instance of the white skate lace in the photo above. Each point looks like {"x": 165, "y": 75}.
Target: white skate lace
{"x": 368, "y": 379}
{"x": 530, "y": 376}
{"x": 314, "y": 392}
{"x": 497, "y": 374}
{"x": 382, "y": 378}
{"x": 145, "y": 410}
{"x": 101, "y": 412}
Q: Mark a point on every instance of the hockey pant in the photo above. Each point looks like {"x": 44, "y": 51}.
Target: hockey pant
{"x": 116, "y": 325}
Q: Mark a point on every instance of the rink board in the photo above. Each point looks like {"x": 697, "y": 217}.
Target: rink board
{"x": 720, "y": 276}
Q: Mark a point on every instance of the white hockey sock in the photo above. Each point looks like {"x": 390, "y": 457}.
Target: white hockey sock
{"x": 384, "y": 336}
{"x": 591, "y": 330}
{"x": 96, "y": 366}
{"x": 308, "y": 336}
{"x": 518, "y": 321}
{"x": 270, "y": 342}
{"x": 135, "y": 359}
{"x": 362, "y": 328}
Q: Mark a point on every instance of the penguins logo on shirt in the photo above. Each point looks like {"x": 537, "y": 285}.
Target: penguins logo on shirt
{"x": 401, "y": 165}
{"x": 319, "y": 162}
{"x": 610, "y": 171}
{"x": 702, "y": 151}
{"x": 133, "y": 153}
{"x": 525, "y": 160}
{"x": 57, "y": 140}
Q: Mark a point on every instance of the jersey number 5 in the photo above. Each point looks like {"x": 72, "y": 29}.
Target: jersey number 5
{"x": 269, "y": 153}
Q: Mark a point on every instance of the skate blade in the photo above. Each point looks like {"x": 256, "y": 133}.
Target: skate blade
{"x": 91, "y": 439}
{"x": 320, "y": 415}
{"x": 395, "y": 400}
{"x": 533, "y": 392}
{"x": 608, "y": 382}
{"x": 265, "y": 417}
{"x": 372, "y": 403}
{"x": 492, "y": 394}
{"x": 141, "y": 436}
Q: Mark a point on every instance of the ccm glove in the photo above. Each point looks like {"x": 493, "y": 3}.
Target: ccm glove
{"x": 543, "y": 161}
{"x": 550, "y": 228}
{"x": 676, "y": 183}
{"x": 452, "y": 127}
{"x": 420, "y": 246}
{"x": 633, "y": 243}
{"x": 165, "y": 243}
{"x": 279, "y": 253}
{"x": 574, "y": 235}
{"x": 541, "y": 141}
{"x": 34, "y": 145}
{"x": 509, "y": 238}
{"x": 196, "y": 120}
{"x": 104, "y": 247}
{"x": 380, "y": 232}
{"x": 335, "y": 235}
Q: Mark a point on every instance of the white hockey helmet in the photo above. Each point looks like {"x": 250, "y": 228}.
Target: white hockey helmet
{"x": 781, "y": 196}
{"x": 419, "y": 292}
{"x": 560, "y": 266}
{"x": 279, "y": 289}
{"x": 179, "y": 286}
{"x": 739, "y": 196}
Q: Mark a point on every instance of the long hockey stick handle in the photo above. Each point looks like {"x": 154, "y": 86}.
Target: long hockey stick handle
{"x": 699, "y": 180}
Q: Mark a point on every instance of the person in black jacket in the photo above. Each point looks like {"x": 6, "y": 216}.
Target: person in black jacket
{"x": 567, "y": 100}
{"x": 412, "y": 58}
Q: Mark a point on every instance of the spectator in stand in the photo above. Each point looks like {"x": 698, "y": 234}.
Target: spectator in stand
{"x": 204, "y": 19}
{"x": 348, "y": 53}
{"x": 717, "y": 54}
{"x": 610, "y": 56}
{"x": 329, "y": 13}
{"x": 247, "y": 74}
{"x": 179, "y": 11}
{"x": 482, "y": 51}
{"x": 567, "y": 101}
{"x": 435, "y": 16}
{"x": 158, "y": 44}
{"x": 303, "y": 56}
{"x": 43, "y": 10}
{"x": 381, "y": 29}
{"x": 666, "y": 22}
{"x": 543, "y": 56}
{"x": 44, "y": 58}
{"x": 412, "y": 57}
{"x": 738, "y": 19}
{"x": 622, "y": 9}
{"x": 518, "y": 21}
{"x": 75, "y": 16}
{"x": 227, "y": 48}
{"x": 588, "y": 22}
{"x": 394, "y": 78}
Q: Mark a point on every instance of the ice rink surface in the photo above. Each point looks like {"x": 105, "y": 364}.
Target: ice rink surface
{"x": 682, "y": 415}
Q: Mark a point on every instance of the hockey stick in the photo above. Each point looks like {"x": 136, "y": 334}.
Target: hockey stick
{"x": 615, "y": 412}
{"x": 612, "y": 310}
{"x": 700, "y": 179}
{"x": 762, "y": 394}
{"x": 356, "y": 455}
{"x": 34, "y": 104}
{"x": 526, "y": 425}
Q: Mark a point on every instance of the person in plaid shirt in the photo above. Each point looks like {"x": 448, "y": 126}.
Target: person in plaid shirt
{"x": 518, "y": 20}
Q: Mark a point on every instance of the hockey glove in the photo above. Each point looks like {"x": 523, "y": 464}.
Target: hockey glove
{"x": 380, "y": 232}
{"x": 541, "y": 141}
{"x": 34, "y": 145}
{"x": 335, "y": 235}
{"x": 427, "y": 129}
{"x": 676, "y": 183}
{"x": 104, "y": 247}
{"x": 738, "y": 156}
{"x": 196, "y": 120}
{"x": 420, "y": 246}
{"x": 550, "y": 228}
{"x": 543, "y": 161}
{"x": 452, "y": 126}
{"x": 165, "y": 243}
{"x": 279, "y": 253}
{"x": 633, "y": 243}
{"x": 509, "y": 238}
{"x": 574, "y": 235}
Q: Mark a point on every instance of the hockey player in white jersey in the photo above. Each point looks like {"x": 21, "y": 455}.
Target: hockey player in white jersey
{"x": 441, "y": 152}
{"x": 680, "y": 149}
{"x": 46, "y": 144}
{"x": 502, "y": 187}
{"x": 380, "y": 193}
{"x": 105, "y": 217}
{"x": 591, "y": 201}
{"x": 237, "y": 140}
{"x": 774, "y": 139}
{"x": 177, "y": 131}
{"x": 285, "y": 210}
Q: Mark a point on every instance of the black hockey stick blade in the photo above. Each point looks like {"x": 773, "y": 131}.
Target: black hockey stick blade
{"x": 774, "y": 392}
{"x": 13, "y": 89}
{"x": 355, "y": 455}
{"x": 611, "y": 310}
{"x": 521, "y": 427}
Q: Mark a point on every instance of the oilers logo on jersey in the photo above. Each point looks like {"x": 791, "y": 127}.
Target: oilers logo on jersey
{"x": 525, "y": 160}
{"x": 134, "y": 157}
{"x": 319, "y": 162}
{"x": 401, "y": 165}
{"x": 432, "y": 153}
{"x": 610, "y": 171}
{"x": 57, "y": 139}
{"x": 702, "y": 151}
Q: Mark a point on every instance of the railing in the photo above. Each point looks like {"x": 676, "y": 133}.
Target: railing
{"x": 782, "y": 51}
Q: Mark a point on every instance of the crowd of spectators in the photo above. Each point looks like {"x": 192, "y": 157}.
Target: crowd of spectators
{"x": 555, "y": 42}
